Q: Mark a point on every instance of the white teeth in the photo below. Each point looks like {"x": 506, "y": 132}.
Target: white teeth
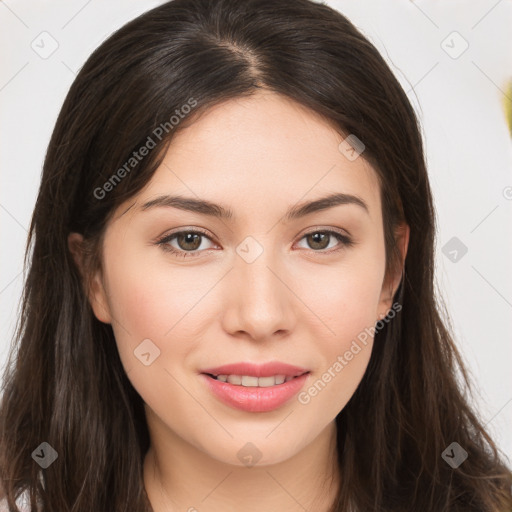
{"x": 235, "y": 379}
{"x": 265, "y": 382}
{"x": 250, "y": 381}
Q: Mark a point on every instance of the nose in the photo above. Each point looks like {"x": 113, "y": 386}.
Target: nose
{"x": 259, "y": 302}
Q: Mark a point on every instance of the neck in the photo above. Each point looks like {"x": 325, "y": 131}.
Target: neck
{"x": 181, "y": 477}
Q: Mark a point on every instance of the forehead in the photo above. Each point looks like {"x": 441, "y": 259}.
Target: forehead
{"x": 248, "y": 153}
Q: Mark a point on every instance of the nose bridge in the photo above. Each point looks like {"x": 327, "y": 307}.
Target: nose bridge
{"x": 260, "y": 298}
{"x": 254, "y": 260}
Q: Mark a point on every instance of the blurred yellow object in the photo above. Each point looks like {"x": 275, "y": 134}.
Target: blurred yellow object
{"x": 507, "y": 105}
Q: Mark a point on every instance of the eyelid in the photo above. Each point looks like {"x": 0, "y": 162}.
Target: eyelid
{"x": 185, "y": 229}
{"x": 328, "y": 229}
{"x": 344, "y": 238}
{"x": 164, "y": 240}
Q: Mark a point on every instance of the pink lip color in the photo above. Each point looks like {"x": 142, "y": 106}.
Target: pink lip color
{"x": 257, "y": 370}
{"x": 255, "y": 399}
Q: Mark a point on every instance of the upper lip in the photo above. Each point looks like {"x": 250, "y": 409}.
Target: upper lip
{"x": 257, "y": 370}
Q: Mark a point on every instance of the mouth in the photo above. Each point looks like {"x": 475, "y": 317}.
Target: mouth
{"x": 243, "y": 373}
{"x": 255, "y": 388}
{"x": 251, "y": 381}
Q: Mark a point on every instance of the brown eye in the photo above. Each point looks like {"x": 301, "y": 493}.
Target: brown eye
{"x": 188, "y": 241}
{"x": 319, "y": 240}
{"x": 185, "y": 243}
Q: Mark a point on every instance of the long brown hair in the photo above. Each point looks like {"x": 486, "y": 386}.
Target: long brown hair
{"x": 64, "y": 383}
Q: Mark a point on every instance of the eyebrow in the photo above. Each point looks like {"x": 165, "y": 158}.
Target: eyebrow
{"x": 297, "y": 211}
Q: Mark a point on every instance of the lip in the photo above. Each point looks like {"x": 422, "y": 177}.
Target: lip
{"x": 257, "y": 370}
{"x": 255, "y": 399}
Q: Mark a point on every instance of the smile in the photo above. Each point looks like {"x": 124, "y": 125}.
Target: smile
{"x": 254, "y": 394}
{"x": 251, "y": 381}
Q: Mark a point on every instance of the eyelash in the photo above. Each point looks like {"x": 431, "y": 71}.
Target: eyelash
{"x": 346, "y": 242}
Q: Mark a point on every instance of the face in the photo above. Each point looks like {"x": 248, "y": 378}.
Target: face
{"x": 187, "y": 290}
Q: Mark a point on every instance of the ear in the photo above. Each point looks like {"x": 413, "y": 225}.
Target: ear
{"x": 392, "y": 282}
{"x": 96, "y": 293}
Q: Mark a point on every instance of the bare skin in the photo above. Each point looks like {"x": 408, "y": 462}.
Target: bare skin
{"x": 301, "y": 301}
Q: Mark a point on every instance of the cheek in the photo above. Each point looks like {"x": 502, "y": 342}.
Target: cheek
{"x": 150, "y": 301}
{"x": 343, "y": 347}
{"x": 346, "y": 299}
{"x": 167, "y": 304}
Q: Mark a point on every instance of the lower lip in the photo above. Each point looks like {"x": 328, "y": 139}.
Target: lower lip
{"x": 255, "y": 399}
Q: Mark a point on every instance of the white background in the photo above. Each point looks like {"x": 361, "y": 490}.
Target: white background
{"x": 459, "y": 101}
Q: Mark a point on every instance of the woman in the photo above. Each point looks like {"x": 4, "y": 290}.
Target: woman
{"x": 230, "y": 301}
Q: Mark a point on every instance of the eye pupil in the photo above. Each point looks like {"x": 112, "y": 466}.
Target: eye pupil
{"x": 317, "y": 239}
{"x": 190, "y": 241}
{"x": 188, "y": 238}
